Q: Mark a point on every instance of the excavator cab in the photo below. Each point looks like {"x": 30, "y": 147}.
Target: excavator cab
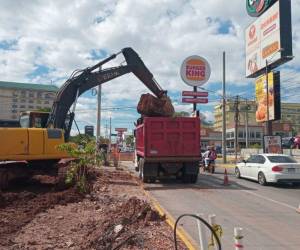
{"x": 33, "y": 119}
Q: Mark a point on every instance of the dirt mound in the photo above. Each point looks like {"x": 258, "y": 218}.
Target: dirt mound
{"x": 153, "y": 106}
{"x": 19, "y": 208}
{"x": 125, "y": 226}
{"x": 115, "y": 215}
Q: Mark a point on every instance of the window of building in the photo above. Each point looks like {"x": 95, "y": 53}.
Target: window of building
{"x": 38, "y": 107}
{"x": 23, "y": 101}
{"x": 49, "y": 95}
{"x": 258, "y": 135}
{"x": 23, "y": 93}
{"x": 15, "y": 100}
{"x": 31, "y": 101}
{"x": 227, "y": 135}
{"x": 231, "y": 134}
{"x": 46, "y": 102}
{"x": 14, "y": 106}
{"x": 14, "y": 111}
{"x": 31, "y": 94}
{"x": 22, "y": 106}
{"x": 241, "y": 134}
{"x": 30, "y": 107}
{"x": 252, "y": 134}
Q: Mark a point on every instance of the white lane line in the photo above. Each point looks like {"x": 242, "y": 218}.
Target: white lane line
{"x": 271, "y": 200}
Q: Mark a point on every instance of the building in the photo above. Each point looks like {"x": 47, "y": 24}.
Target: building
{"x": 287, "y": 126}
{"x": 18, "y": 97}
{"x": 209, "y": 137}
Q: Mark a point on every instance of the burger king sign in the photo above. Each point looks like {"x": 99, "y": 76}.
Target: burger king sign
{"x": 195, "y": 71}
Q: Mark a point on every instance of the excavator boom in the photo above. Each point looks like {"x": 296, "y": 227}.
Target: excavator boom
{"x": 90, "y": 78}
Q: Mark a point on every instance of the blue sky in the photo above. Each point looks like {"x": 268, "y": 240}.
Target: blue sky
{"x": 43, "y": 42}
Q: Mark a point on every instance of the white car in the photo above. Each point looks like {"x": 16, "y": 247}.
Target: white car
{"x": 269, "y": 168}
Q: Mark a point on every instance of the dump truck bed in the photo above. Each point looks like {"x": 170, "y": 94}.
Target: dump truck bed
{"x": 160, "y": 137}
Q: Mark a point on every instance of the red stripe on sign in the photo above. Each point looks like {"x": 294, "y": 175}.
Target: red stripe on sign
{"x": 192, "y": 93}
{"x": 239, "y": 245}
{"x": 195, "y": 100}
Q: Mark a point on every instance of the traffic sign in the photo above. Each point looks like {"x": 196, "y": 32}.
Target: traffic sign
{"x": 196, "y": 94}
{"x": 195, "y": 100}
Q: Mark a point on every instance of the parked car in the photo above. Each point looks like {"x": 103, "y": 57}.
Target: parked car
{"x": 269, "y": 168}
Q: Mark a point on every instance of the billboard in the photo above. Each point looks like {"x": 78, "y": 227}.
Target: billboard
{"x": 272, "y": 144}
{"x": 274, "y": 104}
{"x": 256, "y": 7}
{"x": 195, "y": 71}
{"x": 269, "y": 39}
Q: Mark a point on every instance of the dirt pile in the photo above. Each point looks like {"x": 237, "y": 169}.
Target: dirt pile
{"x": 127, "y": 226}
{"x": 115, "y": 215}
{"x": 153, "y": 106}
{"x": 21, "y": 207}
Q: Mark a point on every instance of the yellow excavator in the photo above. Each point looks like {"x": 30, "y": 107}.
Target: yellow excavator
{"x": 32, "y": 148}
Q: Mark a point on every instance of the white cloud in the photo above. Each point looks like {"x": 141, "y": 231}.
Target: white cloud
{"x": 60, "y": 36}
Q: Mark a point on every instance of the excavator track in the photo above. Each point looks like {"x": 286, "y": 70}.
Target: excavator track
{"x": 11, "y": 171}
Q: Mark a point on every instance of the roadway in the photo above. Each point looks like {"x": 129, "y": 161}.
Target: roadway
{"x": 267, "y": 214}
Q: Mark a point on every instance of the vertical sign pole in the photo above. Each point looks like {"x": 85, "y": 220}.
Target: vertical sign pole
{"x": 195, "y": 104}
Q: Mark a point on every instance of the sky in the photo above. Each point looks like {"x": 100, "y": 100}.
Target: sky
{"x": 45, "y": 41}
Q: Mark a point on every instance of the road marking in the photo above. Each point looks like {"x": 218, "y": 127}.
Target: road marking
{"x": 271, "y": 200}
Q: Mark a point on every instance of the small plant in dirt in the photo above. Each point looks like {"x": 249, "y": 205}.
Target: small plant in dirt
{"x": 81, "y": 171}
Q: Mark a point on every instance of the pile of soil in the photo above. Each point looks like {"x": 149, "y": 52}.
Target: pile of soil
{"x": 153, "y": 106}
{"x": 115, "y": 215}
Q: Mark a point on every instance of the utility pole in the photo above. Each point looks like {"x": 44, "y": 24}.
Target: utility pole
{"x": 224, "y": 111}
{"x": 236, "y": 121}
{"x": 268, "y": 122}
{"x": 98, "y": 113}
{"x": 246, "y": 124}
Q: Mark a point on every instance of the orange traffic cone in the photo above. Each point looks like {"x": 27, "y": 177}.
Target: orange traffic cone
{"x": 226, "y": 181}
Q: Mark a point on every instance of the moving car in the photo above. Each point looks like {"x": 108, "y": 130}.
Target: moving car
{"x": 269, "y": 168}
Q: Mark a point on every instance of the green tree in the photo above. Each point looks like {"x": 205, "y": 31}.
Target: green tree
{"x": 130, "y": 140}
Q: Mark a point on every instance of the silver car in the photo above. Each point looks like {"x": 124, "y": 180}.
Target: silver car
{"x": 269, "y": 168}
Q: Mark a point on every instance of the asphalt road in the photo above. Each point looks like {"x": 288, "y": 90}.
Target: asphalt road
{"x": 267, "y": 214}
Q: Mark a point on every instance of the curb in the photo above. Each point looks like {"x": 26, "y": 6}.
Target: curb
{"x": 183, "y": 235}
{"x": 225, "y": 165}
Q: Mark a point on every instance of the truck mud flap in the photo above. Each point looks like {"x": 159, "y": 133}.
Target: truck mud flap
{"x": 150, "y": 169}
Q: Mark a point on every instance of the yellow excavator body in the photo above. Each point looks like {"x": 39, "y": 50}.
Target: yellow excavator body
{"x": 19, "y": 144}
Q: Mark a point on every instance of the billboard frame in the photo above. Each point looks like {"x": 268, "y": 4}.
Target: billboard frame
{"x": 285, "y": 36}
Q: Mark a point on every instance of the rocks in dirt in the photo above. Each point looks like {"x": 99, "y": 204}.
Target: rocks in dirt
{"x": 70, "y": 243}
{"x": 59, "y": 217}
{"x": 118, "y": 228}
{"x": 153, "y": 106}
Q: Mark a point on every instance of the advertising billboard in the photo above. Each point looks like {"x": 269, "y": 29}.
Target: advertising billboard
{"x": 274, "y": 97}
{"x": 195, "y": 71}
{"x": 256, "y": 7}
{"x": 272, "y": 144}
{"x": 269, "y": 39}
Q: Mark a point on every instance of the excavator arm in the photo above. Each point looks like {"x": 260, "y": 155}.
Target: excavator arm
{"x": 60, "y": 115}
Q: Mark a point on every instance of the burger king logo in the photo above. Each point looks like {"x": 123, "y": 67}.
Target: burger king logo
{"x": 195, "y": 71}
{"x": 256, "y": 7}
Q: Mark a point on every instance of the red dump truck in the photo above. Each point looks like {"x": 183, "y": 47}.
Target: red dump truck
{"x": 168, "y": 146}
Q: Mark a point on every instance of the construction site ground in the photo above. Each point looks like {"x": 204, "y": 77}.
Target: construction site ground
{"x": 269, "y": 215}
{"x": 115, "y": 215}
